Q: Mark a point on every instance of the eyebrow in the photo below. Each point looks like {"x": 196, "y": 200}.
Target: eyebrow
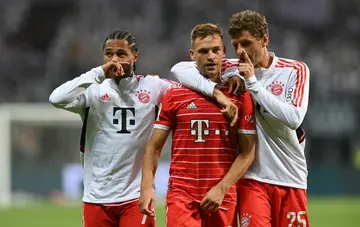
{"x": 120, "y": 50}
{"x": 211, "y": 48}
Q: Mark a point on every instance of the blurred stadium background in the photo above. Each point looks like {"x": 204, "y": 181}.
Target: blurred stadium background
{"x": 44, "y": 43}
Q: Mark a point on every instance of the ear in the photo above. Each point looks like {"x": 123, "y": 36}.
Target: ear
{"x": 192, "y": 54}
{"x": 136, "y": 56}
{"x": 265, "y": 41}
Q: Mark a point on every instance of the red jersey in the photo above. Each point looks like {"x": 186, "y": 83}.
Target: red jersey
{"x": 203, "y": 144}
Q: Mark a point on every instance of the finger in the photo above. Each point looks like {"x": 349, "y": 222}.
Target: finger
{"x": 226, "y": 112}
{"x": 214, "y": 207}
{"x": 120, "y": 71}
{"x": 235, "y": 118}
{"x": 146, "y": 211}
{"x": 203, "y": 203}
{"x": 207, "y": 205}
{"x": 231, "y": 86}
{"x": 152, "y": 206}
{"x": 236, "y": 89}
{"x": 246, "y": 56}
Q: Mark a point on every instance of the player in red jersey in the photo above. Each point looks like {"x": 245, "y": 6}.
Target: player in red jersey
{"x": 273, "y": 191}
{"x": 204, "y": 166}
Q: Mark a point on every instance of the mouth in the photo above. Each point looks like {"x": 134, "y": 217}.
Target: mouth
{"x": 210, "y": 65}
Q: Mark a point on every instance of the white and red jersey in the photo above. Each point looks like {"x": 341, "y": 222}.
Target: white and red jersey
{"x": 281, "y": 94}
{"x": 118, "y": 121}
{"x": 203, "y": 143}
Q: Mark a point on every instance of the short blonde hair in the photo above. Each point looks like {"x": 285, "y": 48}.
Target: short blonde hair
{"x": 204, "y": 30}
{"x": 250, "y": 21}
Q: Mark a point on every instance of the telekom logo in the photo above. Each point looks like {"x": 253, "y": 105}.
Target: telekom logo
{"x": 198, "y": 129}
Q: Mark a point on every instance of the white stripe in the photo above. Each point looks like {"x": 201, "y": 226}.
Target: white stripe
{"x": 143, "y": 220}
{"x": 163, "y": 127}
{"x": 190, "y": 93}
{"x": 244, "y": 131}
{"x": 190, "y": 178}
{"x": 201, "y": 162}
{"x": 189, "y": 186}
{"x": 182, "y": 168}
{"x": 187, "y": 114}
{"x": 204, "y": 148}
{"x": 202, "y": 155}
{"x": 223, "y": 139}
{"x": 187, "y": 100}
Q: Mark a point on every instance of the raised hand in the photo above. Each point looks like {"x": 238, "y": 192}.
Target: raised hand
{"x": 246, "y": 68}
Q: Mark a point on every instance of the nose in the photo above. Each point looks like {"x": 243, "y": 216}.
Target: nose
{"x": 211, "y": 55}
{"x": 239, "y": 50}
{"x": 115, "y": 57}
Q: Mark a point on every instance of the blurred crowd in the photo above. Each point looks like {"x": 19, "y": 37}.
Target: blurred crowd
{"x": 47, "y": 42}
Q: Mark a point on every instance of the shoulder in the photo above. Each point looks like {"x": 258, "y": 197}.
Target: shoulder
{"x": 228, "y": 63}
{"x": 147, "y": 77}
{"x": 292, "y": 64}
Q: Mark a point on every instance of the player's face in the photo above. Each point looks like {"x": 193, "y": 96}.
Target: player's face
{"x": 120, "y": 50}
{"x": 208, "y": 54}
{"x": 255, "y": 48}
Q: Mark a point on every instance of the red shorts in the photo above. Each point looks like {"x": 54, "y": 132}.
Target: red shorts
{"x": 182, "y": 214}
{"x": 267, "y": 205}
{"x": 115, "y": 215}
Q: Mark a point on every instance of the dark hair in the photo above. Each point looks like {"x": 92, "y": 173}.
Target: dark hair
{"x": 248, "y": 20}
{"x": 123, "y": 35}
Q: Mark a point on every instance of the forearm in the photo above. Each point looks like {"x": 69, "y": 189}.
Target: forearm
{"x": 150, "y": 163}
{"x": 289, "y": 114}
{"x": 237, "y": 170}
{"x": 187, "y": 74}
{"x": 71, "y": 90}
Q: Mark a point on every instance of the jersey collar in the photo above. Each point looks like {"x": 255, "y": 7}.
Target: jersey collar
{"x": 266, "y": 71}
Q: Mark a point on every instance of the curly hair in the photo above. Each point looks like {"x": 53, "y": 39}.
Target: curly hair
{"x": 250, "y": 21}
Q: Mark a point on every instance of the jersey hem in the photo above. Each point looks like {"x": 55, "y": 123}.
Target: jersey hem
{"x": 160, "y": 126}
{"x": 109, "y": 201}
{"x": 268, "y": 181}
{"x": 245, "y": 131}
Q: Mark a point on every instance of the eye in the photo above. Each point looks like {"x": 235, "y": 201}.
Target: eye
{"x": 245, "y": 43}
{"x": 109, "y": 54}
{"x": 122, "y": 54}
{"x": 217, "y": 49}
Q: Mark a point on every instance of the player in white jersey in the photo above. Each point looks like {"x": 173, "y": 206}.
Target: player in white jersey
{"x": 118, "y": 110}
{"x": 273, "y": 191}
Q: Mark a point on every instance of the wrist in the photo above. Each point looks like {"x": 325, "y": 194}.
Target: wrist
{"x": 100, "y": 74}
{"x": 146, "y": 187}
{"x": 224, "y": 187}
{"x": 216, "y": 93}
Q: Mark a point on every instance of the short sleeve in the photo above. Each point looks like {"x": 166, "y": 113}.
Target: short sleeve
{"x": 166, "y": 117}
{"x": 246, "y": 122}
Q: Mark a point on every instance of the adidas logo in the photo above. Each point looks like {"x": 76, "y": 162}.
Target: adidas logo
{"x": 191, "y": 106}
{"x": 105, "y": 97}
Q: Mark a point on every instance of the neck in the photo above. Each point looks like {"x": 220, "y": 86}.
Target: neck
{"x": 118, "y": 79}
{"x": 266, "y": 61}
{"x": 216, "y": 78}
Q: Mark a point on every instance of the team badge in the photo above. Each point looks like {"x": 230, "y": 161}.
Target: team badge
{"x": 143, "y": 96}
{"x": 245, "y": 220}
{"x": 277, "y": 87}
